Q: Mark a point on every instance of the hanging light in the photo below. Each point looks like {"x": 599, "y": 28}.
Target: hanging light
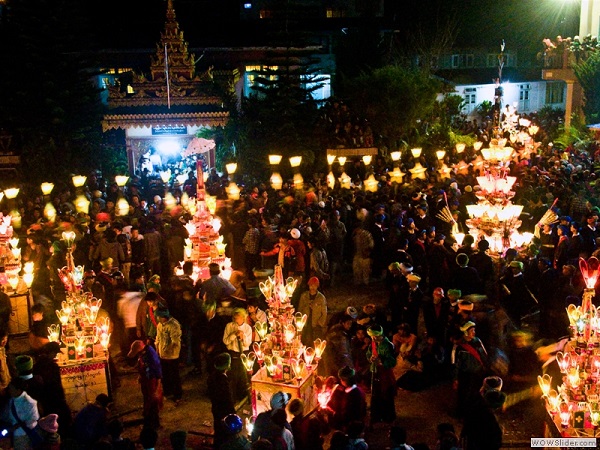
{"x": 82, "y": 204}
{"x": 276, "y": 181}
{"x": 274, "y": 159}
{"x": 396, "y": 155}
{"x": 298, "y": 181}
{"x": 295, "y": 161}
{"x": 165, "y": 176}
{"x": 79, "y": 180}
{"x": 330, "y": 159}
{"x": 233, "y": 191}
{"x": 460, "y": 147}
{"x": 50, "y": 212}
{"x": 367, "y": 159}
{"x": 440, "y": 154}
{"x": 418, "y": 171}
{"x": 345, "y": 181}
{"x": 330, "y": 180}
{"x": 11, "y": 193}
{"x": 47, "y": 188}
{"x": 397, "y": 175}
{"x": 122, "y": 207}
{"x": 416, "y": 152}
{"x": 477, "y": 145}
{"x": 371, "y": 184}
{"x": 231, "y": 168}
{"x": 121, "y": 180}
{"x": 342, "y": 160}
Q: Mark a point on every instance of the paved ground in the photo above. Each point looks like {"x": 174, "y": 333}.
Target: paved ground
{"x": 419, "y": 412}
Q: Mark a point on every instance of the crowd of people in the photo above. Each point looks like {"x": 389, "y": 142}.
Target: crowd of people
{"x": 454, "y": 312}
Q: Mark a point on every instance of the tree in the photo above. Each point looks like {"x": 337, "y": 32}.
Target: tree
{"x": 47, "y": 100}
{"x": 585, "y": 61}
{"x": 588, "y": 74}
{"x": 280, "y": 114}
{"x": 394, "y": 100}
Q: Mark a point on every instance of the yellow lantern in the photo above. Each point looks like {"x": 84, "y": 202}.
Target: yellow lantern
{"x": 274, "y": 159}
{"x": 47, "y": 188}
{"x": 79, "y": 180}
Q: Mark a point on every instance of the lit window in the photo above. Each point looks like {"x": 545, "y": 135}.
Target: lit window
{"x": 247, "y": 5}
{"x": 332, "y": 13}
{"x": 555, "y": 92}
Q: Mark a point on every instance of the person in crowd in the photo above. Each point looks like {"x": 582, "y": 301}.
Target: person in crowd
{"x": 216, "y": 288}
{"x": 263, "y": 425}
{"x": 91, "y": 423}
{"x": 411, "y": 301}
{"x": 150, "y": 379}
{"x": 285, "y": 253}
{"x": 235, "y": 439}
{"x": 359, "y": 344}
{"x": 353, "y": 405}
{"x": 470, "y": 367}
{"x": 381, "y": 355}
{"x": 127, "y": 306}
{"x": 21, "y": 413}
{"x": 300, "y": 252}
{"x": 152, "y": 249}
{"x": 221, "y": 399}
{"x": 481, "y": 429}
{"x": 146, "y": 321}
{"x": 397, "y": 437}
{"x": 314, "y": 305}
{"x": 38, "y": 333}
{"x": 338, "y": 353}
{"x": 319, "y": 262}
{"x": 482, "y": 262}
{"x": 5, "y": 375}
{"x": 435, "y": 313}
{"x": 465, "y": 277}
{"x": 168, "y": 347}
{"x": 53, "y": 399}
{"x": 361, "y": 262}
{"x": 115, "y": 430}
{"x": 34, "y": 384}
{"x": 238, "y": 338}
{"x": 48, "y": 429}
{"x": 517, "y": 298}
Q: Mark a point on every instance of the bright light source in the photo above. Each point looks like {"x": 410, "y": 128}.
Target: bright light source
{"x": 247, "y": 5}
{"x": 169, "y": 146}
{"x": 274, "y": 159}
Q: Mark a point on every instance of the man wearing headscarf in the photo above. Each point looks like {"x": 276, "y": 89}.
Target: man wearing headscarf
{"x": 517, "y": 299}
{"x": 382, "y": 358}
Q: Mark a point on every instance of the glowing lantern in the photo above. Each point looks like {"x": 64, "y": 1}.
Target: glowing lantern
{"x": 589, "y": 271}
{"x": 54, "y": 332}
{"x": 300, "y": 321}
{"x": 79, "y": 180}
{"x": 261, "y": 329}
{"x": 47, "y": 188}
{"x": 274, "y": 159}
{"x": 545, "y": 383}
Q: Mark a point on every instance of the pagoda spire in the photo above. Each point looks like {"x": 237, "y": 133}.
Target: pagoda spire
{"x": 180, "y": 61}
